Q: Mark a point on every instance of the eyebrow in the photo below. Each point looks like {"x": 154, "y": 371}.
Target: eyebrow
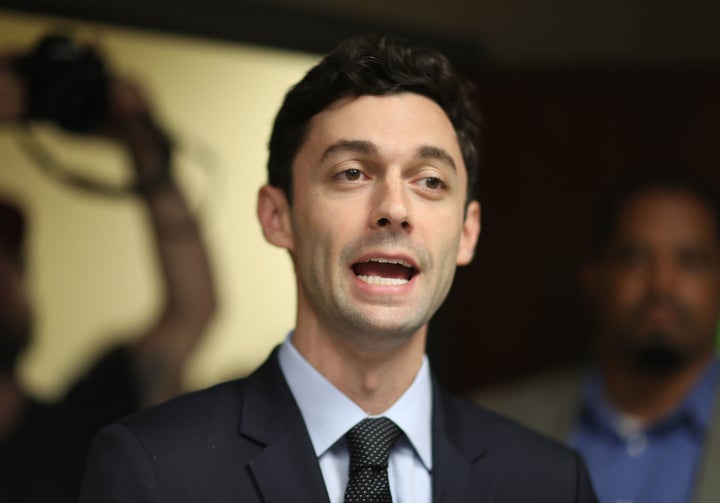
{"x": 356, "y": 146}
{"x": 436, "y": 153}
{"x": 369, "y": 148}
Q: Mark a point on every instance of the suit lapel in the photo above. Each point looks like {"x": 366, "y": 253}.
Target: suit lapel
{"x": 457, "y": 456}
{"x": 286, "y": 468}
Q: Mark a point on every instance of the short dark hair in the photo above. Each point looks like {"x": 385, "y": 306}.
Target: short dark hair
{"x": 373, "y": 65}
{"x": 662, "y": 179}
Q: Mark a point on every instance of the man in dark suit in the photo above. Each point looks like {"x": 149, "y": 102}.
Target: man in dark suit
{"x": 372, "y": 159}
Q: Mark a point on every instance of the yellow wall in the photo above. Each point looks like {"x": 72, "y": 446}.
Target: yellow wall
{"x": 91, "y": 267}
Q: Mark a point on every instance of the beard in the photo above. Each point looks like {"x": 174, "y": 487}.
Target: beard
{"x": 659, "y": 351}
{"x": 658, "y": 356}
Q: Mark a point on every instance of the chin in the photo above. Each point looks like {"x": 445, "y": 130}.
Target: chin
{"x": 388, "y": 333}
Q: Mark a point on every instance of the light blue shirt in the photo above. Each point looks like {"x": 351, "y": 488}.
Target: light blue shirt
{"x": 329, "y": 414}
{"x": 654, "y": 464}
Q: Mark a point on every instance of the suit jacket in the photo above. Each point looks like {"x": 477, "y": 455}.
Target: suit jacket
{"x": 550, "y": 403}
{"x": 246, "y": 441}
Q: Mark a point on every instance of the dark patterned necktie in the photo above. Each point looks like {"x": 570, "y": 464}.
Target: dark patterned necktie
{"x": 370, "y": 441}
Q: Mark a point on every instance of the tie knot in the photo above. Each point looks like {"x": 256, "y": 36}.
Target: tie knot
{"x": 370, "y": 442}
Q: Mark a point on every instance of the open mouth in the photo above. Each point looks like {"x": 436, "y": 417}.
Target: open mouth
{"x": 381, "y": 271}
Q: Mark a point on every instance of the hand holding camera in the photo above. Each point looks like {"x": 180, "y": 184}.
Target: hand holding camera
{"x": 129, "y": 120}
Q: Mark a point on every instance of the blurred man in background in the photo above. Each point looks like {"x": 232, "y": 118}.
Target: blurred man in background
{"x": 43, "y": 446}
{"x": 644, "y": 415}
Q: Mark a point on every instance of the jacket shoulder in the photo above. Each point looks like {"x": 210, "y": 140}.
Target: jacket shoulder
{"x": 216, "y": 408}
{"x": 548, "y": 402}
{"x": 522, "y": 464}
{"x": 494, "y": 429}
{"x": 182, "y": 450}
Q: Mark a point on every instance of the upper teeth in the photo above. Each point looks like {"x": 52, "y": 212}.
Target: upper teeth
{"x": 390, "y": 261}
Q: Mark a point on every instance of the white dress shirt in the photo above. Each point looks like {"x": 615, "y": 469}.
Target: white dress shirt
{"x": 329, "y": 414}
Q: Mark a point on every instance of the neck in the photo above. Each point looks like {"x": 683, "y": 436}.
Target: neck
{"x": 645, "y": 395}
{"x": 372, "y": 377}
{"x": 12, "y": 405}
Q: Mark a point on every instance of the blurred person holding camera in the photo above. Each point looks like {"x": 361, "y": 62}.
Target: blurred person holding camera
{"x": 43, "y": 446}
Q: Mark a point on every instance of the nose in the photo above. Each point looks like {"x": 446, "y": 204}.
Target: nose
{"x": 391, "y": 206}
{"x": 662, "y": 276}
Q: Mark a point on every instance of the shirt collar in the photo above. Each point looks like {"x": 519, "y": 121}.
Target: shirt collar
{"x": 329, "y": 414}
{"x": 699, "y": 403}
{"x": 696, "y": 408}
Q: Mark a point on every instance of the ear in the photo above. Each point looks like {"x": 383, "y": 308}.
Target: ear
{"x": 470, "y": 233}
{"x": 273, "y": 212}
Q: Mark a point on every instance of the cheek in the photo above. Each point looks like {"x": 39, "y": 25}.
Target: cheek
{"x": 443, "y": 227}
{"x": 703, "y": 298}
{"x": 622, "y": 293}
{"x": 316, "y": 240}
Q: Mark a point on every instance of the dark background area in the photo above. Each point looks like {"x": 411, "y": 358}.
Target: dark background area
{"x": 556, "y": 141}
{"x": 575, "y": 95}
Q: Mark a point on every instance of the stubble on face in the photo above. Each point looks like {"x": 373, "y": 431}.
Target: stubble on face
{"x": 375, "y": 321}
{"x": 335, "y": 227}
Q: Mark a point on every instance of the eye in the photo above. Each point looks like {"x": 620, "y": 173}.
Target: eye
{"x": 697, "y": 260}
{"x": 433, "y": 183}
{"x": 632, "y": 256}
{"x": 351, "y": 175}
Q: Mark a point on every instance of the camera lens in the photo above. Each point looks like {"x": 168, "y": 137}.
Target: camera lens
{"x": 66, "y": 84}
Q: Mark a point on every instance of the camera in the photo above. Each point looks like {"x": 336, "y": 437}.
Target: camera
{"x": 66, "y": 83}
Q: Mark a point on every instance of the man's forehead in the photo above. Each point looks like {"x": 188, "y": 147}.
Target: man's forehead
{"x": 402, "y": 120}
{"x": 665, "y": 204}
{"x": 675, "y": 215}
